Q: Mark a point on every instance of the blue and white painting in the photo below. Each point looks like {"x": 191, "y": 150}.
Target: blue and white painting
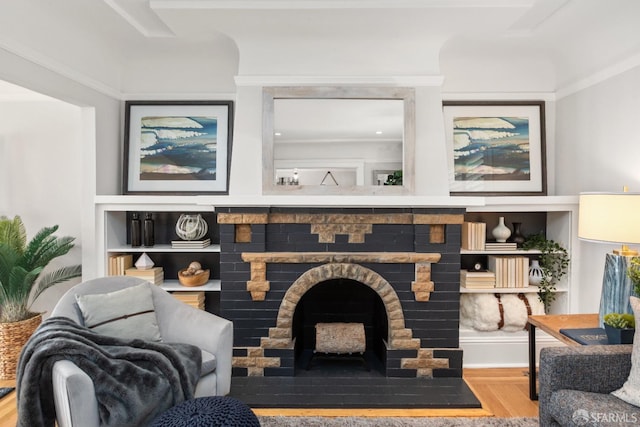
{"x": 491, "y": 149}
{"x": 178, "y": 148}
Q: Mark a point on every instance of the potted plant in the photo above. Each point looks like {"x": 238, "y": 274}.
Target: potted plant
{"x": 21, "y": 282}
{"x": 394, "y": 179}
{"x": 620, "y": 327}
{"x": 633, "y": 271}
{"x": 554, "y": 261}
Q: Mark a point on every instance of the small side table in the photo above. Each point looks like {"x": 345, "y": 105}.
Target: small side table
{"x": 551, "y": 324}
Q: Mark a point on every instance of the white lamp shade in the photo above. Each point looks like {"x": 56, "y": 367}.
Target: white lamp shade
{"x": 609, "y": 217}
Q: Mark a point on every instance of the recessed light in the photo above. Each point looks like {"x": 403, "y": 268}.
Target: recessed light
{"x": 378, "y": 132}
{"x": 277, "y": 134}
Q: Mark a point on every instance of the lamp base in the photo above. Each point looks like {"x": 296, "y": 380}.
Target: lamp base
{"x": 625, "y": 251}
{"x": 616, "y": 287}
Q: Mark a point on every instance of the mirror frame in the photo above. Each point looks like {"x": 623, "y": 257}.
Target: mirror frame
{"x": 407, "y": 95}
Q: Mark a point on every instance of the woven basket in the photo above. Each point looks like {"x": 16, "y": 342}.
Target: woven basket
{"x": 13, "y": 336}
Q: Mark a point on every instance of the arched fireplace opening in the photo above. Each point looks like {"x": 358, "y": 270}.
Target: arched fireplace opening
{"x": 340, "y": 300}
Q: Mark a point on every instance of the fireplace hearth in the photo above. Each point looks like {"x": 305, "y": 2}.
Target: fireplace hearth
{"x": 395, "y": 271}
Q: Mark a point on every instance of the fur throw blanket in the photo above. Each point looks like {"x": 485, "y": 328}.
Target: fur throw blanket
{"x": 134, "y": 380}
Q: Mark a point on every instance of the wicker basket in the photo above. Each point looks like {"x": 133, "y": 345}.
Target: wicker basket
{"x": 13, "y": 336}
{"x": 192, "y": 281}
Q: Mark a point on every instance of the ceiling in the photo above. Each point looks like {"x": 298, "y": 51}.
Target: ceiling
{"x": 116, "y": 44}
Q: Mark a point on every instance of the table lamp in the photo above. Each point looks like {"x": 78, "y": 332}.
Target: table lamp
{"x": 612, "y": 218}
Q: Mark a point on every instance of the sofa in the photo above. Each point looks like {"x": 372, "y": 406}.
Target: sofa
{"x": 576, "y": 382}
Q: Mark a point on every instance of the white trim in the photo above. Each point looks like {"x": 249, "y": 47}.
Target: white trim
{"x": 176, "y": 96}
{"x": 498, "y": 96}
{"x": 335, "y": 4}
{"x": 413, "y": 81}
{"x": 599, "y": 77}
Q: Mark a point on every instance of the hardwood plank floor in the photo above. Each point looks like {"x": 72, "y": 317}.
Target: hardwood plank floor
{"x": 503, "y": 392}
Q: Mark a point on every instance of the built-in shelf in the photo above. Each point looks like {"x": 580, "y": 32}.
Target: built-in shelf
{"x": 174, "y": 285}
{"x": 525, "y": 290}
{"x": 500, "y": 252}
{"x": 163, "y": 248}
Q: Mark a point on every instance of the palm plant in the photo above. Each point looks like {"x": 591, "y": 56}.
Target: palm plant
{"x": 21, "y": 265}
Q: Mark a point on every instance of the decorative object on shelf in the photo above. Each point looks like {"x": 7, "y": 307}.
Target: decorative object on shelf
{"x": 136, "y": 230}
{"x": 496, "y": 147}
{"x": 620, "y": 327}
{"x": 191, "y": 227}
{"x": 144, "y": 262}
{"x": 173, "y": 147}
{"x": 149, "y": 232}
{"x": 501, "y": 232}
{"x": 194, "y": 275}
{"x": 517, "y": 237}
{"x": 612, "y": 218}
{"x": 495, "y": 311}
{"x": 394, "y": 179}
{"x": 22, "y": 281}
{"x": 554, "y": 261}
{"x": 536, "y": 273}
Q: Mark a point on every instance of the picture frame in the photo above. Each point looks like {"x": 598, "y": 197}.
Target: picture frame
{"x": 495, "y": 148}
{"x": 177, "y": 147}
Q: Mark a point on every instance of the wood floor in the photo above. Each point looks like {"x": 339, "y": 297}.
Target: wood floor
{"x": 503, "y": 392}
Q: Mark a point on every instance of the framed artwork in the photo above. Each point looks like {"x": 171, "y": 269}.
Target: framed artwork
{"x": 177, "y": 147}
{"x": 495, "y": 148}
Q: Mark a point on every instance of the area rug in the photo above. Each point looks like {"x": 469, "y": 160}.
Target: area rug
{"x": 396, "y": 422}
{"x": 4, "y": 391}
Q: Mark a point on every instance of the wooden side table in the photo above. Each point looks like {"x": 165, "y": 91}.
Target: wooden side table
{"x": 551, "y": 324}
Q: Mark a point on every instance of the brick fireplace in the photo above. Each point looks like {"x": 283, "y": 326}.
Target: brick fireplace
{"x": 396, "y": 270}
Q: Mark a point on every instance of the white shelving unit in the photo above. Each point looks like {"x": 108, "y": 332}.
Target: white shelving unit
{"x": 500, "y": 348}
{"x": 112, "y": 220}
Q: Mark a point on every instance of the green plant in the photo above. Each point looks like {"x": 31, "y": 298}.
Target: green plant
{"x": 633, "y": 271}
{"x": 554, "y": 261}
{"x": 620, "y": 320}
{"x": 394, "y": 179}
{"x": 21, "y": 265}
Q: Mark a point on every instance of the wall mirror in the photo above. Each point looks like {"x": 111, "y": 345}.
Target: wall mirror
{"x": 337, "y": 140}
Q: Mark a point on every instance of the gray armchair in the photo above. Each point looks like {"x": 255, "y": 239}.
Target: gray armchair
{"x": 577, "y": 381}
{"x": 74, "y": 393}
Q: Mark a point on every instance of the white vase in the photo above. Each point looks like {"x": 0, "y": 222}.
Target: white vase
{"x": 501, "y": 232}
{"x": 535, "y": 273}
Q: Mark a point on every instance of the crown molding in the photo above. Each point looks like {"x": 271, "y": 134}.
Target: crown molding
{"x": 599, "y": 77}
{"x": 435, "y": 80}
{"x": 37, "y": 58}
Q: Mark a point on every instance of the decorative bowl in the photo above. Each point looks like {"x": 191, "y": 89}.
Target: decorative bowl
{"x": 196, "y": 280}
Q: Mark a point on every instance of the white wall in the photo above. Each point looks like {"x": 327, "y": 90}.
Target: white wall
{"x": 598, "y": 149}
{"x": 59, "y": 167}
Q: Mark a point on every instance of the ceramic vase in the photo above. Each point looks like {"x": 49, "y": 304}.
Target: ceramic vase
{"x": 517, "y": 236}
{"x": 535, "y": 273}
{"x": 501, "y": 232}
{"x": 191, "y": 227}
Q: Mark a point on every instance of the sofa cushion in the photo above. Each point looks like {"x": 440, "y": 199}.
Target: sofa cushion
{"x": 630, "y": 390}
{"x": 209, "y": 363}
{"x": 128, "y": 313}
{"x": 581, "y": 408}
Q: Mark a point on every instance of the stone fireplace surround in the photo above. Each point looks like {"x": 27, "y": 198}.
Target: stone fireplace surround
{"x": 410, "y": 258}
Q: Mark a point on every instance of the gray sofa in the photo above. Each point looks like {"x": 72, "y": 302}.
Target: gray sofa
{"x": 576, "y": 382}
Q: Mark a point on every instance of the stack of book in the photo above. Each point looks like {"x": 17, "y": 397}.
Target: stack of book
{"x": 118, "y": 264}
{"x": 154, "y": 275}
{"x": 190, "y": 244}
{"x": 477, "y": 279}
{"x": 473, "y": 235}
{"x": 511, "y": 271}
{"x": 498, "y": 246}
{"x": 194, "y": 299}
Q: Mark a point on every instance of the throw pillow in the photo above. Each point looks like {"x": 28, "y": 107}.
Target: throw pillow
{"x": 128, "y": 313}
{"x": 630, "y": 390}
